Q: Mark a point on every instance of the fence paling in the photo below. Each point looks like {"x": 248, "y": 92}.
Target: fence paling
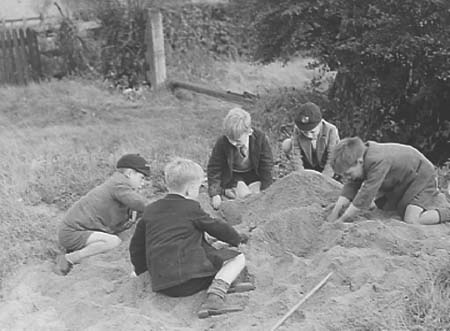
{"x": 19, "y": 56}
{"x": 2, "y": 60}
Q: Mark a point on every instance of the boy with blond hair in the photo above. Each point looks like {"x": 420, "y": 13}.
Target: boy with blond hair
{"x": 393, "y": 176}
{"x": 241, "y": 161}
{"x": 169, "y": 242}
{"x": 91, "y": 225}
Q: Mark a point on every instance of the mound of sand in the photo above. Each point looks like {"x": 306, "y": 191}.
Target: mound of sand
{"x": 292, "y": 247}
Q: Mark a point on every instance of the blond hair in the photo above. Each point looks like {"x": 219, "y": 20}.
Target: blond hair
{"x": 346, "y": 154}
{"x": 179, "y": 172}
{"x": 236, "y": 123}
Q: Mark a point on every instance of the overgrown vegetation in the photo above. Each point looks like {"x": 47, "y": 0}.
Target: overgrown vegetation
{"x": 427, "y": 305}
{"x": 391, "y": 57}
{"x": 60, "y": 139}
{"x": 195, "y": 36}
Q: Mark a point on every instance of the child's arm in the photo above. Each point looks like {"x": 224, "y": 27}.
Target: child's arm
{"x": 217, "y": 228}
{"x": 375, "y": 175}
{"x": 341, "y": 203}
{"x": 129, "y": 197}
{"x": 332, "y": 141}
{"x": 137, "y": 249}
{"x": 296, "y": 160}
{"x": 214, "y": 172}
{"x": 266, "y": 163}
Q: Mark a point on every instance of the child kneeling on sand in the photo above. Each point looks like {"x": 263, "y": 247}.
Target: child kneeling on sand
{"x": 241, "y": 161}
{"x": 169, "y": 242}
{"x": 393, "y": 176}
{"x": 312, "y": 140}
{"x": 91, "y": 225}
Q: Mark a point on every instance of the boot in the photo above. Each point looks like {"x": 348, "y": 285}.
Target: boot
{"x": 244, "y": 283}
{"x": 62, "y": 266}
{"x": 215, "y": 300}
{"x": 444, "y": 215}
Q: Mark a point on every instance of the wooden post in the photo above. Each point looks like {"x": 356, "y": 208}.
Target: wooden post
{"x": 156, "y": 59}
{"x": 3, "y": 75}
{"x": 11, "y": 63}
{"x": 25, "y": 57}
{"x": 18, "y": 57}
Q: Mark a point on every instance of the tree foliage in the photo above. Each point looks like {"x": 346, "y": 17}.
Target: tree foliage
{"x": 392, "y": 59}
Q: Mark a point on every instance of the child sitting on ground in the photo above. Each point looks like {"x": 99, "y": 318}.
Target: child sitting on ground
{"x": 393, "y": 176}
{"x": 312, "y": 140}
{"x": 241, "y": 161}
{"x": 91, "y": 225}
{"x": 169, "y": 241}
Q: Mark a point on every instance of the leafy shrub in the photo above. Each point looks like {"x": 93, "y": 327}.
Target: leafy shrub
{"x": 392, "y": 59}
{"x": 193, "y": 33}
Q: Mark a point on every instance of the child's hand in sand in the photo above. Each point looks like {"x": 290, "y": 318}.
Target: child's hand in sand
{"x": 244, "y": 237}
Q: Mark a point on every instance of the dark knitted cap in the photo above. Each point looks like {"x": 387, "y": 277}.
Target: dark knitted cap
{"x": 135, "y": 162}
{"x": 307, "y": 116}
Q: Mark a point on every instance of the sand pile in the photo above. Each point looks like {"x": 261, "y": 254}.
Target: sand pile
{"x": 375, "y": 262}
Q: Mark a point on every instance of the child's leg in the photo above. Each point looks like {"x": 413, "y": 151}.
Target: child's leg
{"x": 215, "y": 300}
{"x": 255, "y": 187}
{"x": 417, "y": 215}
{"x": 97, "y": 243}
{"x": 242, "y": 190}
{"x": 231, "y": 269}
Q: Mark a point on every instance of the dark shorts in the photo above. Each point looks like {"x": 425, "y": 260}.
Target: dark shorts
{"x": 426, "y": 198}
{"x": 194, "y": 285}
{"x": 247, "y": 177}
{"x": 71, "y": 239}
{"x": 190, "y": 287}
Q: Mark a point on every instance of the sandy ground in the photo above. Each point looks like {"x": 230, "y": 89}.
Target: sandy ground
{"x": 374, "y": 261}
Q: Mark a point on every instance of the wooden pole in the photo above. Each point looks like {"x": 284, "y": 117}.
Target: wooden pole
{"x": 240, "y": 99}
{"x": 155, "y": 48}
{"x": 306, "y": 297}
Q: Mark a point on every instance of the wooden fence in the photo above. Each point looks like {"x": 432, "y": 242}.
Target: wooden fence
{"x": 19, "y": 56}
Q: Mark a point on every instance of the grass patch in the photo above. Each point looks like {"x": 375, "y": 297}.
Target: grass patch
{"x": 428, "y": 304}
{"x": 60, "y": 139}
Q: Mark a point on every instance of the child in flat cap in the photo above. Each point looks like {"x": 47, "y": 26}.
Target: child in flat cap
{"x": 91, "y": 225}
{"x": 312, "y": 140}
{"x": 241, "y": 161}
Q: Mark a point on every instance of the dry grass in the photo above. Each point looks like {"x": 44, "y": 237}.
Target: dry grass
{"x": 428, "y": 305}
{"x": 60, "y": 139}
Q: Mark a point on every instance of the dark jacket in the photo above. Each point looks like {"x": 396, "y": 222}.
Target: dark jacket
{"x": 220, "y": 165}
{"x": 394, "y": 172}
{"x": 169, "y": 241}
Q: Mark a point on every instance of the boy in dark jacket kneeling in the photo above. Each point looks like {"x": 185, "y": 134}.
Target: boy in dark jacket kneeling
{"x": 169, "y": 242}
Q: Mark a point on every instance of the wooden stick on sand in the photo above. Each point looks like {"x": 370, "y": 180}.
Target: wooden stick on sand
{"x": 306, "y": 297}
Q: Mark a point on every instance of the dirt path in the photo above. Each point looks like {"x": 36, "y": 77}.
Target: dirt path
{"x": 291, "y": 249}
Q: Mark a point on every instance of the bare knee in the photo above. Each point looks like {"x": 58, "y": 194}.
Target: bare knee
{"x": 113, "y": 242}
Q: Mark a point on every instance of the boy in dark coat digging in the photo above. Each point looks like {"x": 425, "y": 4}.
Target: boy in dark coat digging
{"x": 393, "y": 176}
{"x": 170, "y": 243}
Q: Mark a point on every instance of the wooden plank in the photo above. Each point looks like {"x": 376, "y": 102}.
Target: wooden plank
{"x": 2, "y": 65}
{"x": 34, "y": 55}
{"x": 154, "y": 36}
{"x": 11, "y": 66}
{"x": 25, "y": 55}
{"x": 18, "y": 58}
{"x": 243, "y": 99}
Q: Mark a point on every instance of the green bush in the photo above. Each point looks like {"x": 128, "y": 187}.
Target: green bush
{"x": 391, "y": 58}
